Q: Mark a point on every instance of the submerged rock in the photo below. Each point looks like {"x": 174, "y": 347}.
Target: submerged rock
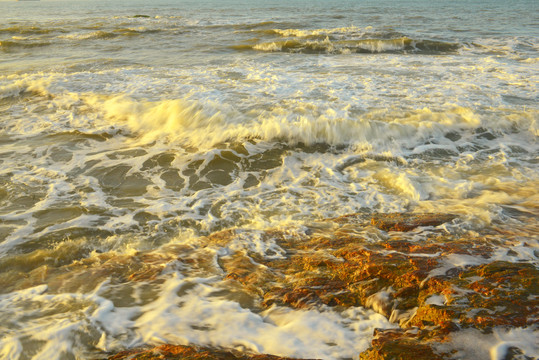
{"x": 400, "y": 221}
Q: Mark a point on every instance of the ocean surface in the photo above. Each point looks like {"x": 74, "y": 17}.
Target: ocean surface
{"x": 141, "y": 127}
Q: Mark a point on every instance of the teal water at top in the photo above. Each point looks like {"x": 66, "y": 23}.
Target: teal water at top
{"x": 198, "y": 31}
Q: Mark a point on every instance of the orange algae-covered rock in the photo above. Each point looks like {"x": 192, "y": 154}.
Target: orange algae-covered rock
{"x": 502, "y": 293}
{"x": 338, "y": 269}
{"x": 398, "y": 276}
{"x": 177, "y": 352}
{"x": 404, "y": 345}
{"x": 394, "y": 277}
{"x": 428, "y": 315}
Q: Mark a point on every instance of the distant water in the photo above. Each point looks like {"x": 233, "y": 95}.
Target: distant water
{"x": 135, "y": 126}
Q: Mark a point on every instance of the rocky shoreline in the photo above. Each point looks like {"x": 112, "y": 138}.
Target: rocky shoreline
{"x": 435, "y": 286}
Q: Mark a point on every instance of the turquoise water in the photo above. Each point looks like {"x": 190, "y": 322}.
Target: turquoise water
{"x": 132, "y": 127}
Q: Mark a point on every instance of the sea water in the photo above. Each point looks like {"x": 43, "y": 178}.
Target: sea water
{"x": 131, "y": 127}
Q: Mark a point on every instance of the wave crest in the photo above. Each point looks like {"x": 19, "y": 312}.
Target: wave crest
{"x": 204, "y": 126}
{"x": 344, "y": 41}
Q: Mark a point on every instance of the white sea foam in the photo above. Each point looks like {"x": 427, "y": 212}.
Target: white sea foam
{"x": 277, "y": 330}
{"x": 15, "y": 85}
{"x": 320, "y": 32}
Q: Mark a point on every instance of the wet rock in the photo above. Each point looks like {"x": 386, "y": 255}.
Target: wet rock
{"x": 403, "y": 345}
{"x": 500, "y": 293}
{"x": 173, "y": 352}
{"x": 399, "y": 277}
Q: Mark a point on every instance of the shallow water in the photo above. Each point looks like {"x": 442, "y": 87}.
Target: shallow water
{"x": 139, "y": 127}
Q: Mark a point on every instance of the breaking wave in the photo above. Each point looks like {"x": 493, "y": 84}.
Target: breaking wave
{"x": 199, "y": 125}
{"x": 372, "y": 46}
{"x": 344, "y": 40}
